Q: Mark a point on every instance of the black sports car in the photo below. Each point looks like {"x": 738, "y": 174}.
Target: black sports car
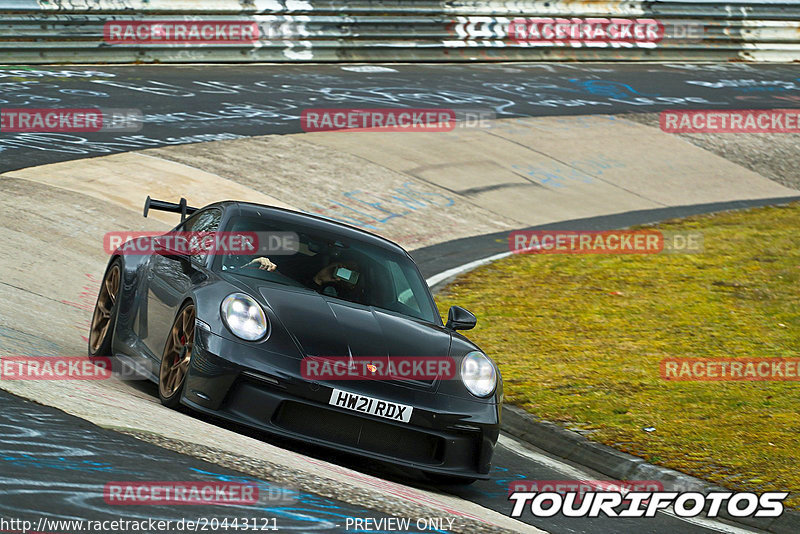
{"x": 228, "y": 334}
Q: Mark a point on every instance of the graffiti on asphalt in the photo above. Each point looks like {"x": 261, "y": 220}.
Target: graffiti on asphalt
{"x": 179, "y": 109}
{"x": 49, "y": 452}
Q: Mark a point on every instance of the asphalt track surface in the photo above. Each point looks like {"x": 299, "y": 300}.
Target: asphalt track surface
{"x": 439, "y": 258}
{"x": 182, "y": 104}
{"x": 56, "y": 466}
{"x": 53, "y": 464}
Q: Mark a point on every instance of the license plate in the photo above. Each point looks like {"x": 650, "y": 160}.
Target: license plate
{"x": 360, "y": 403}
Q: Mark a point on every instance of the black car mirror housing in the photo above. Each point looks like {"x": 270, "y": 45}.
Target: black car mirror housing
{"x": 460, "y": 319}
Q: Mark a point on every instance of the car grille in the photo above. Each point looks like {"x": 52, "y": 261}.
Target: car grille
{"x": 359, "y": 432}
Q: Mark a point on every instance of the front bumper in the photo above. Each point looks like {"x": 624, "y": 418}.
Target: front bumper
{"x": 249, "y": 385}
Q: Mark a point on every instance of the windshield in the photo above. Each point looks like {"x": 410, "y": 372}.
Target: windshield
{"x": 334, "y": 266}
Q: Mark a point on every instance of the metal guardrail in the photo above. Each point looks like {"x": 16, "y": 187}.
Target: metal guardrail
{"x": 72, "y": 31}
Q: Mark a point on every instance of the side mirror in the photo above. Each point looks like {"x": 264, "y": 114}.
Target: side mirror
{"x": 460, "y": 319}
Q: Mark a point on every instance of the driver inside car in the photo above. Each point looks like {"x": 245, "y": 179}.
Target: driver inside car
{"x": 261, "y": 263}
{"x": 337, "y": 279}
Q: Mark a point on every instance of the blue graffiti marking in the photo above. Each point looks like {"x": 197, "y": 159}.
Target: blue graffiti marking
{"x": 610, "y": 89}
{"x": 372, "y": 210}
{"x": 27, "y": 460}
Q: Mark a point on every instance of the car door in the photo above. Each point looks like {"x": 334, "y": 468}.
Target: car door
{"x": 170, "y": 279}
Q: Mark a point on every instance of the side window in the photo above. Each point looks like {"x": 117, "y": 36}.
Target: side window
{"x": 402, "y": 288}
{"x": 203, "y": 221}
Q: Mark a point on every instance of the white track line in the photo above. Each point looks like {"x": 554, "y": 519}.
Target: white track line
{"x": 435, "y": 279}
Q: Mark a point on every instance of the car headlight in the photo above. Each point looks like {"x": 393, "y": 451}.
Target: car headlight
{"x": 478, "y": 374}
{"x": 244, "y": 317}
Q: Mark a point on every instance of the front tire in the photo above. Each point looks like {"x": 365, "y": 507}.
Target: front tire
{"x": 101, "y": 332}
{"x": 176, "y": 358}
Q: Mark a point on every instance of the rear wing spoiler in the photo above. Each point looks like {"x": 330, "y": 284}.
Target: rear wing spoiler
{"x": 162, "y": 205}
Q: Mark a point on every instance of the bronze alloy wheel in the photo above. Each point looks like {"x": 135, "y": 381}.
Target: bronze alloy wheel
{"x": 177, "y": 354}
{"x": 102, "y": 319}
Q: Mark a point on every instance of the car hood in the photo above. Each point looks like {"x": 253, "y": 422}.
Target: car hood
{"x": 305, "y": 323}
{"x": 324, "y": 326}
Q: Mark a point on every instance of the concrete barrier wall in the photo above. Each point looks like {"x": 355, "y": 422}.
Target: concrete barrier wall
{"x": 72, "y": 31}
